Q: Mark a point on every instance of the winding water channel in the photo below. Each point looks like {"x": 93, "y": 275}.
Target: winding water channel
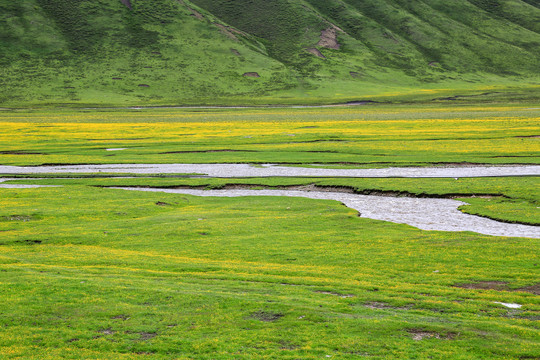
{"x": 422, "y": 213}
{"x": 268, "y": 170}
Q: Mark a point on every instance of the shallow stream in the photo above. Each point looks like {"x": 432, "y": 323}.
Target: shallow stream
{"x": 269, "y": 170}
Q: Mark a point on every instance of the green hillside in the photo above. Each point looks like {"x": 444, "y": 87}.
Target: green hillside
{"x": 173, "y": 52}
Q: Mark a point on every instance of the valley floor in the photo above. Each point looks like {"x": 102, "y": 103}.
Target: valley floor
{"x": 91, "y": 271}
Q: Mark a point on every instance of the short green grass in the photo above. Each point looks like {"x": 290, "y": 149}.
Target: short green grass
{"x": 508, "y": 199}
{"x": 89, "y": 272}
{"x": 371, "y": 135}
{"x": 110, "y": 274}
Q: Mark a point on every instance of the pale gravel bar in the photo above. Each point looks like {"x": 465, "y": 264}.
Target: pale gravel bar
{"x": 270, "y": 170}
{"x": 425, "y": 214}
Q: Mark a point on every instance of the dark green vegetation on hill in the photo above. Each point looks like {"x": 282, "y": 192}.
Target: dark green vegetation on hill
{"x": 113, "y": 52}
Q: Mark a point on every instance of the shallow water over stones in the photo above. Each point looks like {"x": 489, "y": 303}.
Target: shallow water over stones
{"x": 20, "y": 186}
{"x": 269, "y": 170}
{"x": 422, "y": 213}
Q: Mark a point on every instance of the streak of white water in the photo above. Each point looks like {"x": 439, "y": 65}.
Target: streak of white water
{"x": 268, "y": 170}
{"x": 20, "y": 186}
{"x": 509, "y": 305}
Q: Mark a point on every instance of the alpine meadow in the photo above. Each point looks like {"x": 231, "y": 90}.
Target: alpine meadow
{"x": 269, "y": 179}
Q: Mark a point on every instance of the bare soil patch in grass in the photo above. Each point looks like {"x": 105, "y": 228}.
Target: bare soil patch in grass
{"x": 23, "y": 218}
{"x": 316, "y": 52}
{"x": 107, "y": 331}
{"x": 329, "y": 39}
{"x": 226, "y": 31}
{"x": 288, "y": 345}
{"x": 29, "y": 242}
{"x": 147, "y": 335}
{"x": 161, "y": 203}
{"x": 384, "y": 306}
{"x": 196, "y": 14}
{"x": 499, "y": 286}
{"x": 120, "y": 317}
{"x": 252, "y": 74}
{"x": 343, "y": 296}
{"x": 20, "y": 152}
{"x": 485, "y": 285}
{"x": 266, "y": 316}
{"x": 535, "y": 289}
{"x": 419, "y": 334}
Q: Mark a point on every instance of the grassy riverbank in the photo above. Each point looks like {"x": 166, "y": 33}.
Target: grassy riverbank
{"x": 91, "y": 272}
{"x": 113, "y": 274}
{"x": 509, "y": 199}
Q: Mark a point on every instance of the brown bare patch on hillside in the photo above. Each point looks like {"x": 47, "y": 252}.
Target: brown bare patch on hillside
{"x": 329, "y": 39}
{"x": 236, "y": 31}
{"x": 316, "y": 52}
{"x": 252, "y": 74}
{"x": 226, "y": 31}
{"x": 196, "y": 14}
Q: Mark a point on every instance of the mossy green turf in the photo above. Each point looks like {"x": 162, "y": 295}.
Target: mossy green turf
{"x": 100, "y": 273}
{"x": 505, "y": 199}
{"x": 170, "y": 52}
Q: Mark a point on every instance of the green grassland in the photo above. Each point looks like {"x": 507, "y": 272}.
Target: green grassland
{"x": 99, "y": 273}
{"x": 89, "y": 272}
{"x": 373, "y": 135}
{"x": 515, "y": 200}
{"x": 170, "y": 52}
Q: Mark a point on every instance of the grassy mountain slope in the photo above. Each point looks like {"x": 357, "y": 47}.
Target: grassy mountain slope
{"x": 115, "y": 52}
{"x": 102, "y": 51}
